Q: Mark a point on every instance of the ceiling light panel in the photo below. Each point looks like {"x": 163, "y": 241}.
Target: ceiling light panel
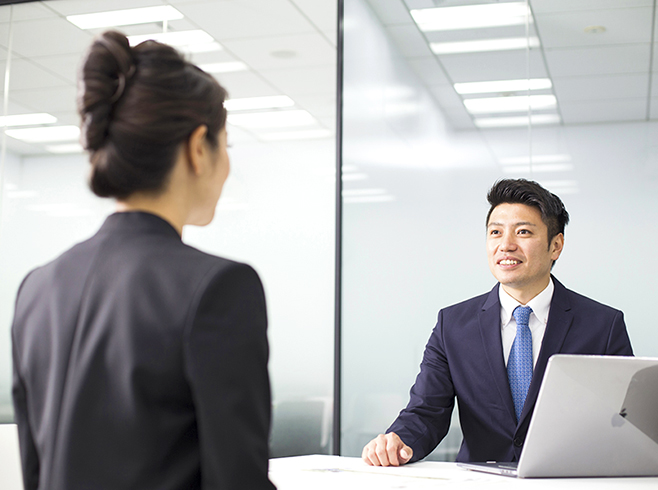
{"x": 489, "y": 105}
{"x": 27, "y": 119}
{"x": 509, "y": 122}
{"x": 224, "y": 67}
{"x": 484, "y": 45}
{"x": 176, "y": 38}
{"x": 47, "y": 134}
{"x": 273, "y": 119}
{"x": 503, "y": 86}
{"x": 125, "y": 17}
{"x": 472, "y": 16}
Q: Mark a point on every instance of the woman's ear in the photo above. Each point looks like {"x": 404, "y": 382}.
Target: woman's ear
{"x": 197, "y": 148}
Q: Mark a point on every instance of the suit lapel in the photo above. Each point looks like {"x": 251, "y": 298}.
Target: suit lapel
{"x": 489, "y": 318}
{"x": 559, "y": 322}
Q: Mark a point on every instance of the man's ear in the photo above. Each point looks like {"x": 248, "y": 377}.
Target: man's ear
{"x": 197, "y": 148}
{"x": 557, "y": 245}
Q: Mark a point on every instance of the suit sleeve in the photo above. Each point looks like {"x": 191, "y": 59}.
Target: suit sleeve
{"x": 618, "y": 342}
{"x": 426, "y": 419}
{"x": 226, "y": 356}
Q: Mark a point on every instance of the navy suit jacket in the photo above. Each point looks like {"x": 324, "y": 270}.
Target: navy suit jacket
{"x": 463, "y": 359}
{"x": 141, "y": 362}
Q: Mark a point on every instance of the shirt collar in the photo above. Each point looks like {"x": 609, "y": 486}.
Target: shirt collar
{"x": 540, "y": 304}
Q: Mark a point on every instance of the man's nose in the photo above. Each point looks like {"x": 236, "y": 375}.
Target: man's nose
{"x": 508, "y": 243}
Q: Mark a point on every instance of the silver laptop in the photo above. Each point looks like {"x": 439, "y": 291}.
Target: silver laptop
{"x": 594, "y": 416}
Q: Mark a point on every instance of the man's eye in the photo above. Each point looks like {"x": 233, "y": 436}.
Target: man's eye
{"x": 524, "y": 232}
{"x": 494, "y": 232}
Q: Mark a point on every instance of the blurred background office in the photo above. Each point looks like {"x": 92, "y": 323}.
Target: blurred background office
{"x": 436, "y": 100}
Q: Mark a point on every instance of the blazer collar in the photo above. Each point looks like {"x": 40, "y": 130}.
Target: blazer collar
{"x": 137, "y": 221}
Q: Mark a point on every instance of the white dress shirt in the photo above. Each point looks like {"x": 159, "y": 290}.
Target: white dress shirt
{"x": 540, "y": 304}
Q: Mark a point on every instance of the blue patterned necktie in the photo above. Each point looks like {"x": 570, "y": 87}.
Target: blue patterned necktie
{"x": 519, "y": 364}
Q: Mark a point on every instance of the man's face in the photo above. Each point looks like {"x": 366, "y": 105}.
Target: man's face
{"x": 518, "y": 250}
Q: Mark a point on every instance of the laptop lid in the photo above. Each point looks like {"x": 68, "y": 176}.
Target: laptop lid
{"x": 594, "y": 416}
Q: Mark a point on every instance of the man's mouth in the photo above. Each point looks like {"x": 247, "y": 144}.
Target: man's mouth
{"x": 509, "y": 262}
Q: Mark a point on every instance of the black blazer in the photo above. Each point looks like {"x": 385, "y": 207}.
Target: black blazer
{"x": 141, "y": 363}
{"x": 464, "y": 359}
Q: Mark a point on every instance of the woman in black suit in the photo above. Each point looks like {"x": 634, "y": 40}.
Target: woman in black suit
{"x": 141, "y": 362}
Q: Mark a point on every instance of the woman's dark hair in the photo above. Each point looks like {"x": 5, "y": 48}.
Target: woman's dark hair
{"x": 522, "y": 191}
{"x": 138, "y": 104}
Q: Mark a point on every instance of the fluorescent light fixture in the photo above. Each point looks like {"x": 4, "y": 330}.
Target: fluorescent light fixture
{"x": 525, "y": 160}
{"x": 561, "y": 186}
{"x": 175, "y": 38}
{"x": 67, "y": 148}
{"x": 518, "y": 103}
{"x": 483, "y": 45}
{"x": 22, "y": 194}
{"x": 471, "y": 16}
{"x": 349, "y": 168}
{"x": 61, "y": 210}
{"x": 225, "y": 67}
{"x": 297, "y": 135}
{"x": 367, "y": 199}
{"x": 125, "y": 17}
{"x": 362, "y": 192}
{"x": 503, "y": 86}
{"x": 46, "y": 134}
{"x": 508, "y": 122}
{"x": 26, "y": 119}
{"x": 273, "y": 119}
{"x": 251, "y": 103}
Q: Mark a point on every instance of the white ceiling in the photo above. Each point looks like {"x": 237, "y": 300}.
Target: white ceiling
{"x": 47, "y": 48}
{"x": 596, "y": 77}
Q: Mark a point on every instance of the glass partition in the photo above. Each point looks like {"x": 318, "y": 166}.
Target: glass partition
{"x": 423, "y": 140}
{"x": 277, "y": 211}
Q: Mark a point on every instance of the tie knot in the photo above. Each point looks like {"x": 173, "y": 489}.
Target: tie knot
{"x": 522, "y": 314}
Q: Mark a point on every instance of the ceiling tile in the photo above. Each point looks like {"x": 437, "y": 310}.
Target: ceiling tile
{"x": 35, "y": 38}
{"x": 246, "y": 84}
{"x": 323, "y": 14}
{"x": 25, "y": 75}
{"x": 604, "y": 111}
{"x": 565, "y": 62}
{"x": 459, "y": 119}
{"x": 50, "y": 100}
{"x": 322, "y": 105}
{"x": 309, "y": 80}
{"x": 64, "y": 66}
{"x": 27, "y": 11}
{"x": 306, "y": 49}
{"x": 575, "y": 5}
{"x": 601, "y": 87}
{"x": 447, "y": 97}
{"x": 247, "y": 19}
{"x": 495, "y": 65}
{"x": 623, "y": 26}
{"x": 654, "y": 108}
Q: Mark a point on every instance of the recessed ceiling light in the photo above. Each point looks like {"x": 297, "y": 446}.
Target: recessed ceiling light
{"x": 284, "y": 54}
{"x": 516, "y": 103}
{"x": 125, "y": 17}
{"x": 47, "y": 134}
{"x": 484, "y": 45}
{"x": 508, "y": 122}
{"x": 594, "y": 29}
{"x": 251, "y": 103}
{"x": 66, "y": 148}
{"x": 309, "y": 134}
{"x": 27, "y": 119}
{"x": 175, "y": 38}
{"x": 224, "y": 67}
{"x": 273, "y": 119}
{"x": 471, "y": 16}
{"x": 503, "y": 86}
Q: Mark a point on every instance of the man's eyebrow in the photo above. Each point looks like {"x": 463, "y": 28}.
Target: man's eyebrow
{"x": 520, "y": 223}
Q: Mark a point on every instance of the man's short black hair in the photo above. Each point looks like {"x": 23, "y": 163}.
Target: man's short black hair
{"x": 522, "y": 191}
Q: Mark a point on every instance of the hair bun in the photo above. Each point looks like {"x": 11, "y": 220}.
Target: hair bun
{"x": 105, "y": 72}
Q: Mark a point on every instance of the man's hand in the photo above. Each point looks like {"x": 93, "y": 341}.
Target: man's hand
{"x": 386, "y": 450}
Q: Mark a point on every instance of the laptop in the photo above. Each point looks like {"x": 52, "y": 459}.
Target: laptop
{"x": 594, "y": 416}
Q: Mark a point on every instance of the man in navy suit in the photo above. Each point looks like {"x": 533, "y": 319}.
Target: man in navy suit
{"x": 467, "y": 354}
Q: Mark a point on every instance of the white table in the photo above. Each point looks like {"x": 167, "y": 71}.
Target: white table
{"x": 319, "y": 472}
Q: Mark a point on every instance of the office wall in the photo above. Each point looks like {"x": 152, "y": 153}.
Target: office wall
{"x": 277, "y": 213}
{"x": 421, "y": 245}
